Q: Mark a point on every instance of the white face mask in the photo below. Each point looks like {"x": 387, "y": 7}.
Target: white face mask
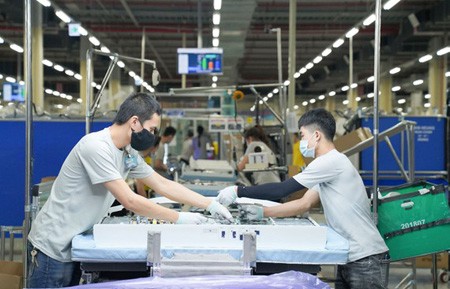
{"x": 305, "y": 151}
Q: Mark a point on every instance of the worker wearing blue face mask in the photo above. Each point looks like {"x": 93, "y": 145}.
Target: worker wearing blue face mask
{"x": 91, "y": 177}
{"x": 332, "y": 179}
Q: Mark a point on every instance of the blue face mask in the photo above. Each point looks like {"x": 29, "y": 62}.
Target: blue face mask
{"x": 305, "y": 151}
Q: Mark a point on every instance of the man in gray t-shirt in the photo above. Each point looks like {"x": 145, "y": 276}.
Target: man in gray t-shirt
{"x": 91, "y": 177}
{"x": 332, "y": 179}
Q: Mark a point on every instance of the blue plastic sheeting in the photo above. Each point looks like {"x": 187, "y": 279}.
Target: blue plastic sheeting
{"x": 85, "y": 250}
{"x": 286, "y": 280}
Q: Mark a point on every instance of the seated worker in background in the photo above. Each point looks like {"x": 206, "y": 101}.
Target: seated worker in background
{"x": 91, "y": 177}
{"x": 160, "y": 159}
{"x": 147, "y": 155}
{"x": 332, "y": 179}
{"x": 257, "y": 142}
{"x": 297, "y": 157}
{"x": 188, "y": 149}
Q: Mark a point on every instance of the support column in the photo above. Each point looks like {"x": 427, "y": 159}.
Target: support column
{"x": 38, "y": 53}
{"x": 351, "y": 92}
{"x": 84, "y": 46}
{"x": 292, "y": 52}
{"x": 114, "y": 90}
{"x": 330, "y": 104}
{"x": 437, "y": 82}
{"x": 385, "y": 98}
{"x": 183, "y": 76}
{"x": 416, "y": 102}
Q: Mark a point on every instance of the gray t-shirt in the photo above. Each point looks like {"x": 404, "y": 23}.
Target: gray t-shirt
{"x": 345, "y": 202}
{"x": 78, "y": 198}
{"x": 267, "y": 176}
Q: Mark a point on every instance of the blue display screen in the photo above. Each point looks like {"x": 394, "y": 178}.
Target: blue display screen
{"x": 199, "y": 61}
{"x": 13, "y": 92}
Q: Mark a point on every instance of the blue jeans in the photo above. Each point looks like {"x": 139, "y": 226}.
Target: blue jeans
{"x": 366, "y": 273}
{"x": 46, "y": 272}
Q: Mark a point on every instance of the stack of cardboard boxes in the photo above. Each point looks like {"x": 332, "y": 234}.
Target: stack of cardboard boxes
{"x": 11, "y": 274}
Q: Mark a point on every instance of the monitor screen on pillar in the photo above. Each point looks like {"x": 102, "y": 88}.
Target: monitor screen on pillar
{"x": 200, "y": 61}
{"x": 13, "y": 92}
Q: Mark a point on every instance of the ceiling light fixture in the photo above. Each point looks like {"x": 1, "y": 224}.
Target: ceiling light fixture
{"x": 16, "y": 48}
{"x": 215, "y": 32}
{"x": 443, "y": 51}
{"x": 317, "y": 59}
{"x": 352, "y": 32}
{"x": 217, "y": 4}
{"x": 47, "y": 62}
{"x": 216, "y": 18}
{"x": 94, "y": 40}
{"x": 44, "y": 3}
{"x": 326, "y": 52}
{"x": 389, "y": 4}
{"x": 338, "y": 43}
{"x": 417, "y": 82}
{"x": 215, "y": 42}
{"x": 369, "y": 20}
{"x": 425, "y": 58}
{"x": 58, "y": 67}
{"x": 82, "y": 31}
{"x": 395, "y": 70}
{"x": 63, "y": 16}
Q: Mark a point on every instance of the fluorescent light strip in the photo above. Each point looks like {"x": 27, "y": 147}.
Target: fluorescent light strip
{"x": 63, "y": 16}
{"x": 425, "y": 58}
{"x": 338, "y": 43}
{"x": 369, "y": 20}
{"x": 216, "y": 18}
{"x": 389, "y": 4}
{"x": 352, "y": 32}
{"x": 16, "y": 48}
{"x": 443, "y": 51}
{"x": 44, "y": 3}
{"x": 94, "y": 41}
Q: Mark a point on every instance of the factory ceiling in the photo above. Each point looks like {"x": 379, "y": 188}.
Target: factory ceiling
{"x": 408, "y": 32}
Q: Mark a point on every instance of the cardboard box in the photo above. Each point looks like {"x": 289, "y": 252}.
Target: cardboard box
{"x": 351, "y": 139}
{"x": 426, "y": 261}
{"x": 11, "y": 275}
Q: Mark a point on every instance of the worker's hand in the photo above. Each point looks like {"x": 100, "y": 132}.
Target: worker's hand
{"x": 227, "y": 196}
{"x": 220, "y": 212}
{"x": 191, "y": 218}
{"x": 251, "y": 212}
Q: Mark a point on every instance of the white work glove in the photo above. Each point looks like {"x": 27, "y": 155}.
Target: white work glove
{"x": 191, "y": 218}
{"x": 251, "y": 212}
{"x": 219, "y": 212}
{"x": 227, "y": 196}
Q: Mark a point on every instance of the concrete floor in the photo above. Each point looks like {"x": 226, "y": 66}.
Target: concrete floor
{"x": 397, "y": 272}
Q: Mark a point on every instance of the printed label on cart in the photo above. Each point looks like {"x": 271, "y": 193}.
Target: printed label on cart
{"x": 412, "y": 224}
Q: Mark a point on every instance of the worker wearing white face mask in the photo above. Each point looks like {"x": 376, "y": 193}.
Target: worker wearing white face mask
{"x": 332, "y": 179}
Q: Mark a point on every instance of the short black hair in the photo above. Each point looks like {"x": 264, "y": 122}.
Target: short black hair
{"x": 142, "y": 105}
{"x": 170, "y": 130}
{"x": 319, "y": 119}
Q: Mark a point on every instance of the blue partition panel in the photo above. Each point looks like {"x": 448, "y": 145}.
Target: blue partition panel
{"x": 429, "y": 146}
{"x": 52, "y": 142}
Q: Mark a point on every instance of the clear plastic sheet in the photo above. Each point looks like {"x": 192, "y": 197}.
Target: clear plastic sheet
{"x": 285, "y": 280}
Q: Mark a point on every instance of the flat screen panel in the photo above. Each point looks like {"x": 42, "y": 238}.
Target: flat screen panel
{"x": 13, "y": 92}
{"x": 200, "y": 60}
